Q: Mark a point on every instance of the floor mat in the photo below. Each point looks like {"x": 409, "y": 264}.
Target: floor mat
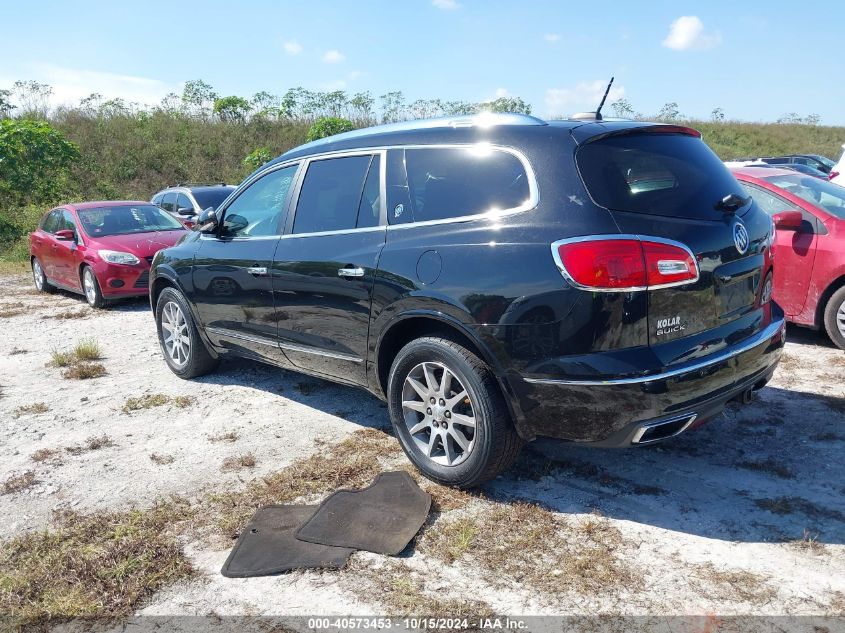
{"x": 382, "y": 518}
{"x": 268, "y": 546}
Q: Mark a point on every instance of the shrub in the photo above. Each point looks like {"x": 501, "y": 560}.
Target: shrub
{"x": 328, "y": 126}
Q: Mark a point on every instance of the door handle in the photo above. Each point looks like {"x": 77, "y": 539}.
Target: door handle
{"x": 258, "y": 271}
{"x": 350, "y": 272}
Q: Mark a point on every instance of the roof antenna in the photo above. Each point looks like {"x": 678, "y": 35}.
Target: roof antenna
{"x": 603, "y": 99}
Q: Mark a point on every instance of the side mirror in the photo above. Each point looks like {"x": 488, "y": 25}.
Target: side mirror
{"x": 207, "y": 221}
{"x": 65, "y": 235}
{"x": 788, "y": 220}
{"x": 186, "y": 211}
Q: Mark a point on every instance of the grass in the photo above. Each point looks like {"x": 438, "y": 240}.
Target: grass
{"x": 68, "y": 315}
{"x": 809, "y": 542}
{"x": 11, "y": 309}
{"x": 791, "y": 505}
{"x": 30, "y": 409}
{"x": 84, "y": 371}
{"x": 47, "y": 455}
{"x": 351, "y": 463}
{"x": 162, "y": 460}
{"x": 529, "y": 545}
{"x": 769, "y": 466}
{"x": 149, "y": 401}
{"x": 100, "y": 565}
{"x": 238, "y": 462}
{"x": 93, "y": 443}
{"x": 77, "y": 363}
{"x": 15, "y": 484}
{"x": 12, "y": 268}
{"x": 731, "y": 585}
{"x": 229, "y": 437}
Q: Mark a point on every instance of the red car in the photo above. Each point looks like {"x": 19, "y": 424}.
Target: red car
{"x": 809, "y": 216}
{"x": 102, "y": 250}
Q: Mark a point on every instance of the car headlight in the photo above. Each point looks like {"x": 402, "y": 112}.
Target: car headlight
{"x": 119, "y": 257}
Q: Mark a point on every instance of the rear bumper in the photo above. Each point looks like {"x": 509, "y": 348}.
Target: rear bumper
{"x": 612, "y": 411}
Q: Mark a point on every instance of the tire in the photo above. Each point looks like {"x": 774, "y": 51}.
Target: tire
{"x": 187, "y": 356}
{"x": 91, "y": 288}
{"x": 834, "y": 318}
{"x": 432, "y": 435}
{"x": 39, "y": 278}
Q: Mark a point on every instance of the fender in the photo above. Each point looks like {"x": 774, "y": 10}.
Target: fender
{"x": 470, "y": 332}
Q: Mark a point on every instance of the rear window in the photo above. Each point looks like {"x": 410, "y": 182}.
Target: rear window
{"x": 662, "y": 174}
{"x": 454, "y": 182}
{"x": 212, "y": 198}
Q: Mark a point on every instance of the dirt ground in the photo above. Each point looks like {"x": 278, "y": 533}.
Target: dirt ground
{"x": 742, "y": 516}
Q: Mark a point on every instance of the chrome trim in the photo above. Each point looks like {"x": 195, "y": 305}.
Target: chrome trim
{"x": 622, "y": 236}
{"x": 645, "y": 427}
{"x": 286, "y": 346}
{"x": 363, "y": 229}
{"x": 350, "y": 272}
{"x": 760, "y": 338}
{"x": 257, "y": 270}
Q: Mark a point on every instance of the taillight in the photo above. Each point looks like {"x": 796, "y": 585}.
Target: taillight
{"x": 612, "y": 264}
{"x": 832, "y": 175}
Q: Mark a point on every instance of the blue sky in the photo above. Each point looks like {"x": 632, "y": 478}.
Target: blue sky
{"x": 755, "y": 60}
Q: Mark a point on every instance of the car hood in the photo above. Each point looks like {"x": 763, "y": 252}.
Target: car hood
{"x": 139, "y": 244}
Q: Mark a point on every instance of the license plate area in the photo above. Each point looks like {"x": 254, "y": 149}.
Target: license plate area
{"x": 737, "y": 295}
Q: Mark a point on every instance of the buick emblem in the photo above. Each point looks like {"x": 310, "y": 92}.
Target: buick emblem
{"x": 741, "y": 238}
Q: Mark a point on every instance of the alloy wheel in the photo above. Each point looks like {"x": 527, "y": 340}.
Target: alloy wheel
{"x": 439, "y": 414}
{"x": 174, "y": 330}
{"x": 89, "y": 286}
{"x": 38, "y": 274}
{"x": 840, "y": 318}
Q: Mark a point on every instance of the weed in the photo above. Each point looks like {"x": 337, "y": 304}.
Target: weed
{"x": 68, "y": 315}
{"x": 770, "y": 466}
{"x": 61, "y": 359}
{"x": 17, "y": 483}
{"x": 731, "y": 585}
{"x": 93, "y": 443}
{"x": 87, "y": 349}
{"x": 11, "y": 309}
{"x": 230, "y": 437}
{"x": 791, "y": 505}
{"x": 46, "y": 455}
{"x": 30, "y": 409}
{"x": 162, "y": 460}
{"x": 84, "y": 371}
{"x": 17, "y": 350}
{"x": 809, "y": 542}
{"x": 238, "y": 462}
{"x": 306, "y": 388}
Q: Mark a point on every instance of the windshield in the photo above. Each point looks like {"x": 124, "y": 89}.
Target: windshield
{"x": 125, "y": 220}
{"x": 824, "y": 160}
{"x": 664, "y": 174}
{"x": 212, "y": 197}
{"x": 821, "y": 193}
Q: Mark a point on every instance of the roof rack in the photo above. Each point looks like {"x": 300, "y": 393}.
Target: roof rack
{"x": 200, "y": 184}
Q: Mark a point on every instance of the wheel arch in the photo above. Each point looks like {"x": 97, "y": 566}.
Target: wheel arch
{"x": 417, "y": 324}
{"x": 821, "y": 306}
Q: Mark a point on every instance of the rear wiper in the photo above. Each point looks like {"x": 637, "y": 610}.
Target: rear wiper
{"x": 731, "y": 202}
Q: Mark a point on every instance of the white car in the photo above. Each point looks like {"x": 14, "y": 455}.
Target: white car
{"x": 839, "y": 170}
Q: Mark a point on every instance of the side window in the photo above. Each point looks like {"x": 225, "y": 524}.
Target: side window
{"x": 51, "y": 222}
{"x": 183, "y": 202}
{"x": 769, "y": 202}
{"x": 67, "y": 221}
{"x": 331, "y": 195}
{"x": 168, "y": 203}
{"x": 370, "y": 206}
{"x": 258, "y": 210}
{"x": 453, "y": 182}
{"x": 157, "y": 199}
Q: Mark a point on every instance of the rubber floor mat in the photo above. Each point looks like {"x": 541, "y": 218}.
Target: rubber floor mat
{"x": 382, "y": 518}
{"x": 268, "y": 546}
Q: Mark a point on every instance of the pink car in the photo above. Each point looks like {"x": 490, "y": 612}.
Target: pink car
{"x": 102, "y": 250}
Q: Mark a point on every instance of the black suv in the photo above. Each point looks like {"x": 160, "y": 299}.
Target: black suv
{"x": 494, "y": 278}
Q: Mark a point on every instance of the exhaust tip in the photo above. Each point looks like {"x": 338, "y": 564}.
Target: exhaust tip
{"x": 656, "y": 431}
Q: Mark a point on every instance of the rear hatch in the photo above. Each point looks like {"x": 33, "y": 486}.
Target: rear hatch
{"x": 663, "y": 181}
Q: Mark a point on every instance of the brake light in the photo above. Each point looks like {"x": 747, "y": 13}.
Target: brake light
{"x": 612, "y": 264}
{"x": 832, "y": 175}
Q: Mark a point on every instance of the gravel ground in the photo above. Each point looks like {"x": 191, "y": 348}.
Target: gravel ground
{"x": 744, "y": 515}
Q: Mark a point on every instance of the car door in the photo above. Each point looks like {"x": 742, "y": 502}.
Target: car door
{"x": 232, "y": 282}
{"x": 325, "y": 265}
{"x": 43, "y": 240}
{"x": 795, "y": 250}
{"x": 66, "y": 256}
{"x": 168, "y": 202}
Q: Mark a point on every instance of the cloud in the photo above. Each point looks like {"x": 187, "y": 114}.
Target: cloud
{"x": 551, "y": 37}
{"x": 501, "y": 92}
{"x": 293, "y": 47}
{"x": 333, "y": 57}
{"x": 70, "y": 85}
{"x": 687, "y": 33}
{"x": 585, "y": 96}
{"x": 446, "y": 5}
